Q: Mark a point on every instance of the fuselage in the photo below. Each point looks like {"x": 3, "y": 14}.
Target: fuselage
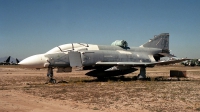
{"x": 89, "y": 55}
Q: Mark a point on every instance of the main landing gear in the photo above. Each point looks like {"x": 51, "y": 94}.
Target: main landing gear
{"x": 50, "y": 75}
{"x": 142, "y": 74}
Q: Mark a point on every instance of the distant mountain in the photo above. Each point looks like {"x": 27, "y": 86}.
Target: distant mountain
{"x": 11, "y": 59}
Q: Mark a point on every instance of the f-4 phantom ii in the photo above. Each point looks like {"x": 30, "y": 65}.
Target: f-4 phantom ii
{"x": 104, "y": 60}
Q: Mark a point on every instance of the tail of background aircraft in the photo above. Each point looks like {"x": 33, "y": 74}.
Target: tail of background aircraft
{"x": 8, "y": 60}
{"x": 159, "y": 41}
{"x": 17, "y": 61}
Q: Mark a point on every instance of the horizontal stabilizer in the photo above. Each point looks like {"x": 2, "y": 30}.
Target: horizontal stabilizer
{"x": 166, "y": 55}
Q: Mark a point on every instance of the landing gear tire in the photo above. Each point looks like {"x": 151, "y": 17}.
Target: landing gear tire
{"x": 53, "y": 81}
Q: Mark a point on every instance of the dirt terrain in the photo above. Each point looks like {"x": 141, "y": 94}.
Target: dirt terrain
{"x": 24, "y": 90}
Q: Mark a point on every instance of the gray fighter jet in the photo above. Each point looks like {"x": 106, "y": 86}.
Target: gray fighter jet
{"x": 104, "y": 60}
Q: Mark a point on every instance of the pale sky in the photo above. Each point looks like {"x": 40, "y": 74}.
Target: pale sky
{"x": 29, "y": 27}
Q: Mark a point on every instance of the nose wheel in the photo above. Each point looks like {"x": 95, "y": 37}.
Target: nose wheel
{"x": 50, "y": 75}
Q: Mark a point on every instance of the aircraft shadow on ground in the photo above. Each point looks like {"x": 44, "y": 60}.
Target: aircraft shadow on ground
{"x": 126, "y": 79}
{"x": 105, "y": 79}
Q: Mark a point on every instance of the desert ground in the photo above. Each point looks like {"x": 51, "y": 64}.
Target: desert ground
{"x": 26, "y": 90}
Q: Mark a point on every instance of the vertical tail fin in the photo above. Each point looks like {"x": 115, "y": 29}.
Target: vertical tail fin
{"x": 8, "y": 59}
{"x": 17, "y": 61}
{"x": 159, "y": 41}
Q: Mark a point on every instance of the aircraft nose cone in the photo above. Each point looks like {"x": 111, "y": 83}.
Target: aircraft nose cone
{"x": 35, "y": 61}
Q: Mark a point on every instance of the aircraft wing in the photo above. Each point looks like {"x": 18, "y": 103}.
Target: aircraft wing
{"x": 137, "y": 64}
{"x": 167, "y": 55}
{"x": 126, "y": 63}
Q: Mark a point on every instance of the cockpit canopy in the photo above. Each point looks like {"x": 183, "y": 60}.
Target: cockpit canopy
{"x": 67, "y": 47}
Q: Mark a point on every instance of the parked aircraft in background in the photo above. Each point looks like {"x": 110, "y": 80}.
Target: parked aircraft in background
{"x": 6, "y": 62}
{"x": 170, "y": 59}
{"x": 191, "y": 62}
{"x": 16, "y": 63}
{"x": 104, "y": 60}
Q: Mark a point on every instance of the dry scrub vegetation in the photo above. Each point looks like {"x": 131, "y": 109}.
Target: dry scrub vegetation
{"x": 122, "y": 94}
{"x": 149, "y": 95}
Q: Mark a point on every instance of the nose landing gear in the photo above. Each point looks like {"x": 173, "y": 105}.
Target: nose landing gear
{"x": 50, "y": 75}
